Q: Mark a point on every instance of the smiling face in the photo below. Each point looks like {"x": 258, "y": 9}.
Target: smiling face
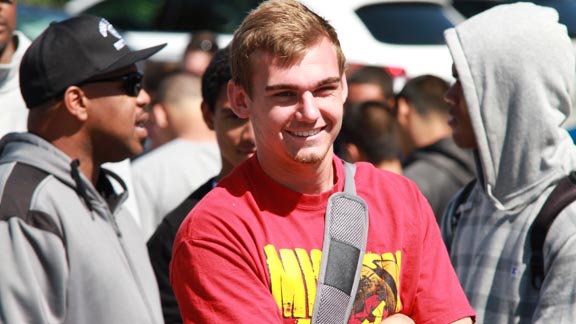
{"x": 296, "y": 110}
{"x": 459, "y": 120}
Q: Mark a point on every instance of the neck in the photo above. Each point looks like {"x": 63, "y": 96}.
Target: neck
{"x": 432, "y": 135}
{"x": 425, "y": 132}
{"x": 227, "y": 167}
{"x": 65, "y": 136}
{"x": 57, "y": 126}
{"x": 197, "y": 135}
{"x": 89, "y": 168}
{"x": 391, "y": 165}
{"x": 306, "y": 178}
{"x": 194, "y": 130}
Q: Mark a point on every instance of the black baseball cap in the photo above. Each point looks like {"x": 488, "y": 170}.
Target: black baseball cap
{"x": 71, "y": 51}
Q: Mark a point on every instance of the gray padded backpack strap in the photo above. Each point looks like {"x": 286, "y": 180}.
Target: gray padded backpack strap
{"x": 345, "y": 235}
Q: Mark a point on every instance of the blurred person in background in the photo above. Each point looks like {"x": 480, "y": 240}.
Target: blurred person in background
{"x": 71, "y": 252}
{"x": 370, "y": 83}
{"x": 515, "y": 74}
{"x": 236, "y": 143}
{"x": 430, "y": 156}
{"x": 370, "y": 133}
{"x": 175, "y": 112}
{"x": 184, "y": 152}
{"x": 199, "y": 52}
{"x": 13, "y": 44}
{"x": 367, "y": 83}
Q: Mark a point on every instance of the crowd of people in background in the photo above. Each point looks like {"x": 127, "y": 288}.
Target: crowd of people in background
{"x": 132, "y": 191}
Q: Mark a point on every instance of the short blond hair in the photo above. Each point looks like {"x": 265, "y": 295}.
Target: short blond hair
{"x": 284, "y": 28}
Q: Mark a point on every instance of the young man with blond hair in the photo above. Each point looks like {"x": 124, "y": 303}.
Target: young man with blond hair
{"x": 250, "y": 250}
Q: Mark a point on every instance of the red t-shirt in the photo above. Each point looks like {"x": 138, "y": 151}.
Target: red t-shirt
{"x": 250, "y": 252}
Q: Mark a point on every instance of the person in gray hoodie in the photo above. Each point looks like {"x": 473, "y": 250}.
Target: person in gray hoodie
{"x": 70, "y": 251}
{"x": 515, "y": 82}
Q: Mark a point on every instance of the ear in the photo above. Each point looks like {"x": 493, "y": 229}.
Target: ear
{"x": 403, "y": 112}
{"x": 352, "y": 152}
{"x": 238, "y": 99}
{"x": 76, "y": 103}
{"x": 344, "y": 87}
{"x": 207, "y": 115}
{"x": 159, "y": 115}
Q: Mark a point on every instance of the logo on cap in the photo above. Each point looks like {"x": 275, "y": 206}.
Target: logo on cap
{"x": 107, "y": 28}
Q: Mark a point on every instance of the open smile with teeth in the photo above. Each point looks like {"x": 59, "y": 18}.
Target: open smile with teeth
{"x": 306, "y": 133}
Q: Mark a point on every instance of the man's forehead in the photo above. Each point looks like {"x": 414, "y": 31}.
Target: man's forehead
{"x": 276, "y": 59}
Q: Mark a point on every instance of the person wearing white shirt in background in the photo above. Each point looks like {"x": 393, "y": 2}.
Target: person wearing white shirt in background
{"x": 13, "y": 44}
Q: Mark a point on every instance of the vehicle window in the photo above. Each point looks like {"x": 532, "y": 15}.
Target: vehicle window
{"x": 566, "y": 9}
{"x": 221, "y": 16}
{"x": 471, "y": 7}
{"x": 406, "y": 23}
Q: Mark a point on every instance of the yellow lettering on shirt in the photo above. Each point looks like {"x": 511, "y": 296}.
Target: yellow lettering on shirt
{"x": 294, "y": 276}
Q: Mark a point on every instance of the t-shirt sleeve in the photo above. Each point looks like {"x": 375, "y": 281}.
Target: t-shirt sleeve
{"x": 214, "y": 281}
{"x": 439, "y": 298}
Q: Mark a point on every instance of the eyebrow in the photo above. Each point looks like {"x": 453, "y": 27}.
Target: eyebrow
{"x": 281, "y": 86}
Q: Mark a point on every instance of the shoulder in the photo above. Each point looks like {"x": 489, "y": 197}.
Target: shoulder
{"x": 20, "y": 183}
{"x": 563, "y": 228}
{"x": 23, "y": 40}
{"x": 220, "y": 210}
{"x": 389, "y": 191}
{"x": 178, "y": 156}
{"x": 220, "y": 220}
{"x": 423, "y": 167}
{"x": 175, "y": 217}
{"x": 226, "y": 207}
{"x": 393, "y": 196}
{"x": 425, "y": 174}
{"x": 156, "y": 156}
{"x": 369, "y": 177}
{"x": 30, "y": 196}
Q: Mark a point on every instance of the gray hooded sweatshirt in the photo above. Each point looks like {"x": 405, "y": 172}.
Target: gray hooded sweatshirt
{"x": 517, "y": 69}
{"x": 69, "y": 251}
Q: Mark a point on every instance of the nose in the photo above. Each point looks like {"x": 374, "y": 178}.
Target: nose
{"x": 143, "y": 98}
{"x": 309, "y": 108}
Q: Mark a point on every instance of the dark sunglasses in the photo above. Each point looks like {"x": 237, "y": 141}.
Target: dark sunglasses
{"x": 132, "y": 82}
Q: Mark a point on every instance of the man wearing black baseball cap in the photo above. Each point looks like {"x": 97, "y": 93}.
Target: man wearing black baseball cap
{"x": 71, "y": 252}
